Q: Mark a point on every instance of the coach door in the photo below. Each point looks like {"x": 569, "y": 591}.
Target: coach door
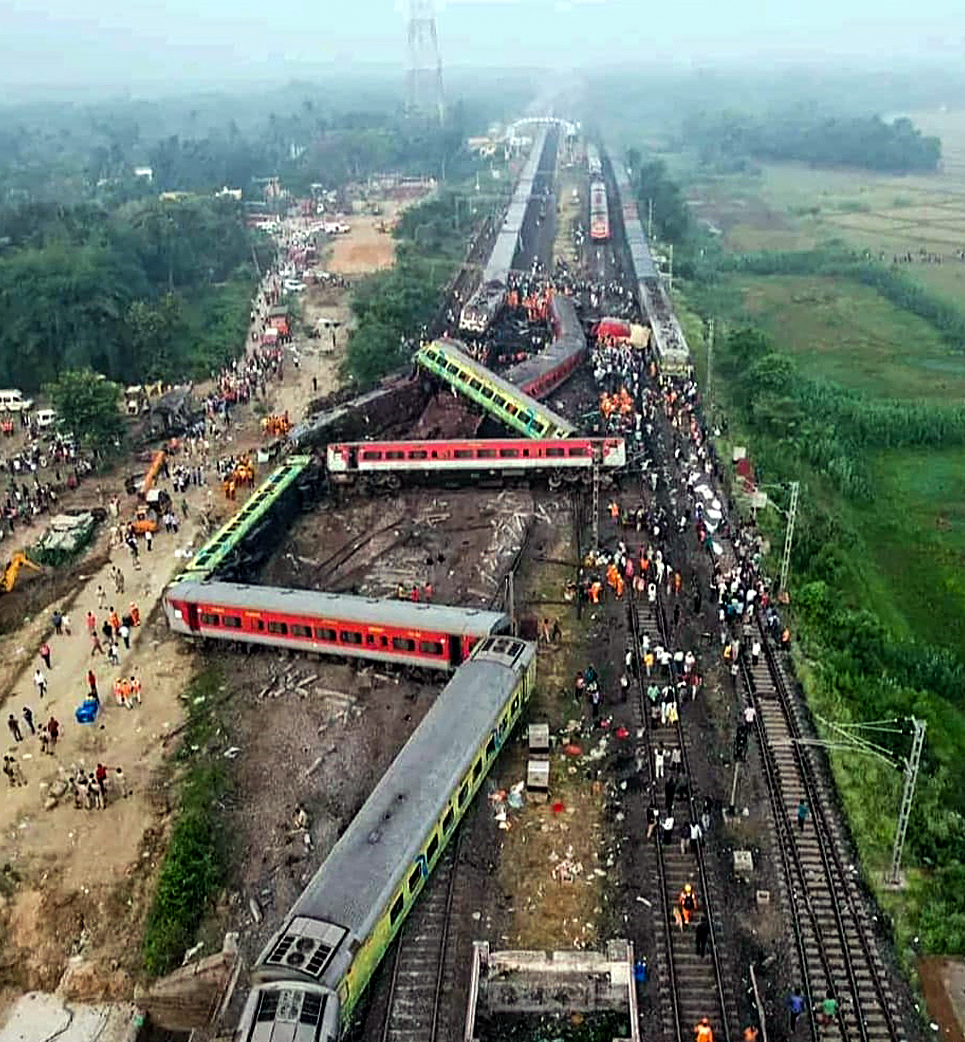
{"x": 458, "y": 650}
{"x": 192, "y": 615}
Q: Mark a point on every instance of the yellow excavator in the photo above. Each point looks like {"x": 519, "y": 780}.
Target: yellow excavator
{"x": 10, "y": 573}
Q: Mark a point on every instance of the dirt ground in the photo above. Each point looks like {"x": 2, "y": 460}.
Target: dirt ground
{"x": 365, "y": 248}
{"x": 372, "y": 545}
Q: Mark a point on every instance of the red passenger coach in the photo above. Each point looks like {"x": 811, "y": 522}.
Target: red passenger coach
{"x": 509, "y": 457}
{"x": 432, "y": 636}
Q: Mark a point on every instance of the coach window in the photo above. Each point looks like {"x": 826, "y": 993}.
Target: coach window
{"x": 509, "y": 453}
{"x": 452, "y": 368}
{"x": 431, "y": 647}
{"x": 579, "y": 450}
{"x": 448, "y": 819}
{"x": 371, "y": 455}
{"x": 350, "y": 637}
{"x": 487, "y": 392}
{"x": 403, "y": 644}
{"x": 475, "y": 384}
{"x": 231, "y": 621}
{"x": 540, "y": 428}
{"x": 324, "y": 633}
{"x": 277, "y": 627}
{"x": 491, "y": 747}
{"x": 209, "y": 619}
{"x": 394, "y": 454}
{"x": 433, "y": 848}
{"x": 516, "y": 704}
{"x": 464, "y": 794}
{"x": 486, "y": 454}
{"x": 555, "y": 453}
{"x": 396, "y": 914}
{"x": 501, "y": 402}
{"x": 419, "y": 454}
{"x": 301, "y": 631}
{"x": 415, "y": 878}
{"x": 462, "y": 454}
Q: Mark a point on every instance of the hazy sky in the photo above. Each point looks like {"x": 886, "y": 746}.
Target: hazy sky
{"x": 129, "y": 43}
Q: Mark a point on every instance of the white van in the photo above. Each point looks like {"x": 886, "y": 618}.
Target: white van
{"x": 14, "y": 401}
{"x": 45, "y": 418}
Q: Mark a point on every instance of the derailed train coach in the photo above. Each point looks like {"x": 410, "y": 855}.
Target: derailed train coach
{"x": 311, "y": 973}
{"x": 389, "y": 464}
{"x": 429, "y": 636}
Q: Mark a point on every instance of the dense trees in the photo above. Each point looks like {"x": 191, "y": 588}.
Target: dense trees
{"x": 725, "y": 139}
{"x": 89, "y": 407}
{"x": 132, "y": 293}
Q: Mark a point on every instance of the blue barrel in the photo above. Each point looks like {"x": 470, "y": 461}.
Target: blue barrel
{"x": 86, "y": 713}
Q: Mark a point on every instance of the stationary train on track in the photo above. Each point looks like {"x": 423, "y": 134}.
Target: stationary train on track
{"x": 310, "y": 975}
{"x": 482, "y": 308}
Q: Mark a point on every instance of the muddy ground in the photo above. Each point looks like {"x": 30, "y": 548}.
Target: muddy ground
{"x": 460, "y": 540}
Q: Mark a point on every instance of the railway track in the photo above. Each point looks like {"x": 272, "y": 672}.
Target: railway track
{"x": 833, "y": 930}
{"x": 419, "y": 967}
{"x": 695, "y": 985}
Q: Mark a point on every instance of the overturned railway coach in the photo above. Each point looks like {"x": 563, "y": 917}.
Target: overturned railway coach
{"x": 310, "y": 975}
{"x": 387, "y": 463}
{"x": 448, "y": 360}
{"x": 431, "y": 636}
{"x": 542, "y": 373}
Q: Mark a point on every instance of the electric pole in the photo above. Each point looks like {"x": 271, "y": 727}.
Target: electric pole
{"x": 649, "y": 219}
{"x": 789, "y": 535}
{"x": 596, "y": 502}
{"x": 670, "y": 276}
{"x": 710, "y": 362}
{"x": 912, "y": 765}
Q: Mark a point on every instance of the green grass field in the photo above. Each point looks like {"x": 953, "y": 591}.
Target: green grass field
{"x": 792, "y": 206}
{"x": 916, "y": 535}
{"x": 850, "y": 334}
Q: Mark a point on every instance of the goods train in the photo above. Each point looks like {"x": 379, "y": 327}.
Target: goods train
{"x": 508, "y": 404}
{"x": 668, "y": 337}
{"x": 542, "y": 373}
{"x": 599, "y": 214}
{"x": 383, "y": 464}
{"x": 432, "y": 636}
{"x": 310, "y": 975}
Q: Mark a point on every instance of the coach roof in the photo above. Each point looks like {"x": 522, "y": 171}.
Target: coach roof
{"x": 438, "y": 618}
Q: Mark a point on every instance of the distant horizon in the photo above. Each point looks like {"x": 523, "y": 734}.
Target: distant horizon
{"x": 385, "y": 74}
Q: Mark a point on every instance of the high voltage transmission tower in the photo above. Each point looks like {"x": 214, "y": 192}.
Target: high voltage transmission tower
{"x": 424, "y": 62}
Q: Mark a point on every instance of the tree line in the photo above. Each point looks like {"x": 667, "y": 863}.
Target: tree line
{"x": 150, "y": 289}
{"x": 725, "y": 139}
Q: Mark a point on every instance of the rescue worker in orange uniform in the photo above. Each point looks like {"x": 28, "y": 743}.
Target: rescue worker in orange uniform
{"x": 703, "y": 1032}
{"x": 135, "y": 614}
{"x": 688, "y": 903}
{"x": 596, "y": 588}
